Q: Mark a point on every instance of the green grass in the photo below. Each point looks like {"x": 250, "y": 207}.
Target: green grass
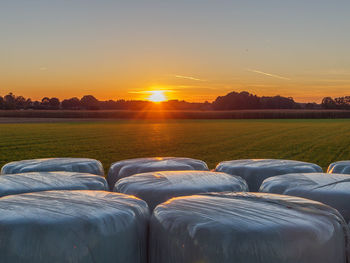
{"x": 317, "y": 141}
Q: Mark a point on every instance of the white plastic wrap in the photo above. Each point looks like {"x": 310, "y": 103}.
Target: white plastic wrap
{"x": 255, "y": 171}
{"x": 341, "y": 167}
{"x": 73, "y": 226}
{"x": 330, "y": 189}
{"x": 158, "y": 187}
{"x": 43, "y": 181}
{"x": 129, "y": 167}
{"x": 80, "y": 165}
{"x": 246, "y": 227}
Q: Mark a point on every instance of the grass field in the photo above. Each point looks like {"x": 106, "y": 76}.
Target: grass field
{"x": 150, "y": 114}
{"x": 318, "y": 141}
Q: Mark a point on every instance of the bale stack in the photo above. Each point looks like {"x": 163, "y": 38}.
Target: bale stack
{"x": 255, "y": 171}
{"x": 330, "y": 189}
{"x": 130, "y": 167}
{"x": 246, "y": 227}
{"x": 79, "y": 165}
{"x": 11, "y": 184}
{"x": 341, "y": 167}
{"x": 57, "y": 210}
{"x": 73, "y": 226}
{"x": 158, "y": 187}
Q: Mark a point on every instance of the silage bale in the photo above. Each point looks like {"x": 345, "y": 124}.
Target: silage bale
{"x": 158, "y": 187}
{"x": 341, "y": 167}
{"x": 330, "y": 189}
{"x": 43, "y": 181}
{"x": 73, "y": 226}
{"x": 80, "y": 165}
{"x": 246, "y": 227}
{"x": 255, "y": 171}
{"x": 130, "y": 167}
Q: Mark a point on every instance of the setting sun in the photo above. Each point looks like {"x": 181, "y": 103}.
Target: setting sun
{"x": 157, "y": 96}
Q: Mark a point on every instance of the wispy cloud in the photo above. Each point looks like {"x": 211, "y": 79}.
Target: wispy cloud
{"x": 268, "y": 74}
{"x": 148, "y": 91}
{"x": 188, "y": 77}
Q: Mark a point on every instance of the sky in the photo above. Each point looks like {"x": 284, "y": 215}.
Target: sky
{"x": 194, "y": 50}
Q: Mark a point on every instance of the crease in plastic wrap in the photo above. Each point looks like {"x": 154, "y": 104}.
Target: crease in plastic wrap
{"x": 255, "y": 171}
{"x": 130, "y": 167}
{"x": 79, "y": 165}
{"x": 73, "y": 226}
{"x": 341, "y": 167}
{"x": 158, "y": 187}
{"x": 330, "y": 189}
{"x": 247, "y": 227}
{"x": 44, "y": 181}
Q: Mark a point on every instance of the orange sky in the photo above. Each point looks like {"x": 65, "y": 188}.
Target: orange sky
{"x": 196, "y": 52}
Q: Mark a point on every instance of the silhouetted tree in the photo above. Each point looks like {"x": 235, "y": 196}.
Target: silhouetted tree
{"x": 71, "y": 104}
{"x": 231, "y": 101}
{"x": 36, "y": 105}
{"x": 311, "y": 106}
{"x": 9, "y": 101}
{"x": 278, "y": 102}
{"x": 89, "y": 102}
{"x": 54, "y": 103}
{"x": 328, "y": 103}
{"x": 2, "y": 102}
{"x": 342, "y": 102}
{"x": 237, "y": 101}
{"x": 20, "y": 102}
{"x": 45, "y": 102}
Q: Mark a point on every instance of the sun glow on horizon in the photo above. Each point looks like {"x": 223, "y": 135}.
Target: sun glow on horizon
{"x": 157, "y": 96}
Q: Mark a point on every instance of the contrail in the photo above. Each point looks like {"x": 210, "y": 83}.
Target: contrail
{"x": 187, "y": 77}
{"x": 268, "y": 74}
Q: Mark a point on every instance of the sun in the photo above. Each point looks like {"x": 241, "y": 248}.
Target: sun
{"x": 157, "y": 96}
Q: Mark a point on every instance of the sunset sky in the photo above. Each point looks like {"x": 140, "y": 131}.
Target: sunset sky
{"x": 194, "y": 50}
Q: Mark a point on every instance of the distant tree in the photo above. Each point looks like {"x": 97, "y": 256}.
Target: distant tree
{"x": 54, "y": 103}
{"x": 311, "y": 106}
{"x": 71, "y": 104}
{"x": 342, "y": 102}
{"x": 45, "y": 102}
{"x": 237, "y": 101}
{"x": 2, "y": 103}
{"x": 28, "y": 104}
{"x": 89, "y": 102}
{"x": 20, "y": 102}
{"x": 9, "y": 101}
{"x": 328, "y": 103}
{"x": 36, "y": 105}
{"x": 278, "y": 102}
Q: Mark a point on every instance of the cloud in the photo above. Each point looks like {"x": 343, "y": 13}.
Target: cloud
{"x": 149, "y": 91}
{"x": 267, "y": 74}
{"x": 188, "y": 77}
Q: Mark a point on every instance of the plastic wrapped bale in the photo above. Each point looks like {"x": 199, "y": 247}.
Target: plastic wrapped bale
{"x": 246, "y": 227}
{"x": 129, "y": 167}
{"x": 330, "y": 189}
{"x": 255, "y": 171}
{"x": 43, "y": 181}
{"x": 80, "y": 165}
{"x": 73, "y": 226}
{"x": 158, "y": 187}
{"x": 341, "y": 167}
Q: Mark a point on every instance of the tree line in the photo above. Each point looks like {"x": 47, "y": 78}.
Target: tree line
{"x": 231, "y": 101}
{"x": 336, "y": 103}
